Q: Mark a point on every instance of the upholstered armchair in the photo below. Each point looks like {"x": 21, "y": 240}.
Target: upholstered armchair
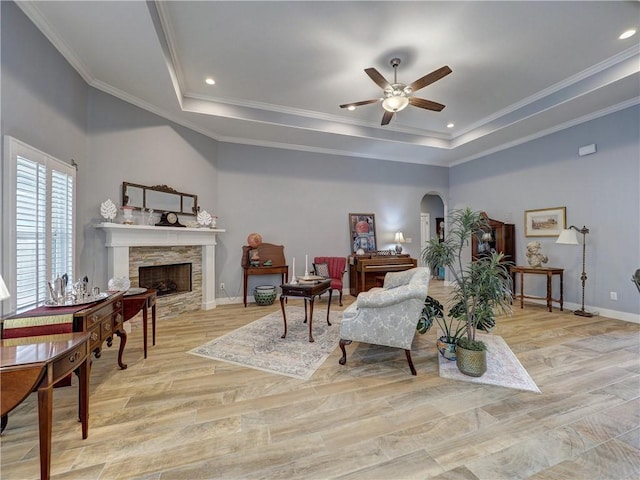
{"x": 388, "y": 315}
{"x": 333, "y": 268}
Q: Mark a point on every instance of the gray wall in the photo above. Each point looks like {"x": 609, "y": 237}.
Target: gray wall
{"x": 599, "y": 191}
{"x": 302, "y": 201}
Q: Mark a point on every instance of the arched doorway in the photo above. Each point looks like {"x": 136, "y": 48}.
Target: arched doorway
{"x": 432, "y": 221}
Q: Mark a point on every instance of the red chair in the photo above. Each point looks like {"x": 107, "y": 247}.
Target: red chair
{"x": 333, "y": 268}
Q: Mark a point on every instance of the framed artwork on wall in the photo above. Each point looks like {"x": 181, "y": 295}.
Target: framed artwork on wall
{"x": 545, "y": 222}
{"x": 362, "y": 228}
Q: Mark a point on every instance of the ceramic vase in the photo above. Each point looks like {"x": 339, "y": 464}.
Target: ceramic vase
{"x": 265, "y": 295}
{"x": 446, "y": 349}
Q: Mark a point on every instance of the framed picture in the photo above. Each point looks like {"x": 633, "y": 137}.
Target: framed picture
{"x": 545, "y": 222}
{"x": 362, "y": 228}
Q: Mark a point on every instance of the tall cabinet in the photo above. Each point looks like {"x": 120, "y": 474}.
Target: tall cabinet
{"x": 502, "y": 238}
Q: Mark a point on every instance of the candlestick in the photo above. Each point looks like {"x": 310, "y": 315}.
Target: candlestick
{"x": 306, "y": 265}
{"x": 293, "y": 276}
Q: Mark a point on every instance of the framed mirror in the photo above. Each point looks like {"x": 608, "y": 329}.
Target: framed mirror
{"x": 160, "y": 198}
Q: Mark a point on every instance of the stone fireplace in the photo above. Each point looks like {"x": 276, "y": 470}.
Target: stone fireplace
{"x": 132, "y": 247}
{"x": 166, "y": 279}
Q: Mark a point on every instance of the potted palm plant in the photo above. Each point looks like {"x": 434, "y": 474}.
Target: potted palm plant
{"x": 481, "y": 288}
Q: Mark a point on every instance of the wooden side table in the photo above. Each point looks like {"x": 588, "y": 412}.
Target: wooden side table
{"x": 549, "y": 272}
{"x": 308, "y": 292}
{"x": 30, "y": 363}
{"x": 266, "y": 251}
{"x": 145, "y": 301}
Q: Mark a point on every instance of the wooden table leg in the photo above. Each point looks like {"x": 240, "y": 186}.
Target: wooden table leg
{"x": 311, "y": 320}
{"x": 561, "y": 293}
{"x": 549, "y": 282}
{"x": 144, "y": 327}
{"x": 153, "y": 324}
{"x": 329, "y": 306}
{"x": 45, "y": 415}
{"x": 245, "y": 288}
{"x": 123, "y": 341}
{"x": 284, "y": 316}
{"x": 521, "y": 290}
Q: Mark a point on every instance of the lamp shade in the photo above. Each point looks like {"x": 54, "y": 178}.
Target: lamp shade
{"x": 568, "y": 237}
{"x": 399, "y": 238}
{"x": 4, "y": 292}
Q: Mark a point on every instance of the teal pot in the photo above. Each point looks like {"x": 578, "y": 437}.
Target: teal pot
{"x": 446, "y": 349}
{"x": 265, "y": 295}
{"x": 471, "y": 362}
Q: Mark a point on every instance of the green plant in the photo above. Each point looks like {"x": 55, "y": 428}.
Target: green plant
{"x": 433, "y": 311}
{"x": 476, "y": 345}
{"x": 482, "y": 287}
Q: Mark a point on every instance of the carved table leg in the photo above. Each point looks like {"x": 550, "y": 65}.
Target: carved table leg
{"x": 311, "y": 320}
{"x": 123, "y": 341}
{"x": 284, "y": 316}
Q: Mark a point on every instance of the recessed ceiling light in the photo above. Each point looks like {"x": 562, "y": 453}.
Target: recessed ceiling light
{"x": 210, "y": 81}
{"x": 351, "y": 107}
{"x": 627, "y": 34}
{"x": 451, "y": 125}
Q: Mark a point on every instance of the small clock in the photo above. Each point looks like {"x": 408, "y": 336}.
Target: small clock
{"x": 169, "y": 219}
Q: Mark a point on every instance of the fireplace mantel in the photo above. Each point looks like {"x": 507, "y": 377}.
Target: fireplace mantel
{"x": 120, "y": 237}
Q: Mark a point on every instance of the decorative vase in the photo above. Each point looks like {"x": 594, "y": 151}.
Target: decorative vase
{"x": 446, "y": 349}
{"x": 265, "y": 295}
{"x": 128, "y": 215}
{"x": 471, "y": 362}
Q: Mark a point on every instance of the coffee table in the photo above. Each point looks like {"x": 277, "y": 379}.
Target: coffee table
{"x": 308, "y": 291}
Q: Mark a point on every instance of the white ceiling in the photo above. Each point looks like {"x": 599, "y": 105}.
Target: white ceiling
{"x": 520, "y": 69}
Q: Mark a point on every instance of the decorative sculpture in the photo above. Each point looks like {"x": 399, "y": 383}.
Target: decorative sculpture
{"x": 535, "y": 257}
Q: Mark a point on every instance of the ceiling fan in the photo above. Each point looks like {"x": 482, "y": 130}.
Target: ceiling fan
{"x": 398, "y": 95}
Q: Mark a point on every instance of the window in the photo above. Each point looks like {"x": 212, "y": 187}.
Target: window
{"x": 38, "y": 205}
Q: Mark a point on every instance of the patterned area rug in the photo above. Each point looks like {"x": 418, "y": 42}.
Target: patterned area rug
{"x": 258, "y": 345}
{"x": 503, "y": 367}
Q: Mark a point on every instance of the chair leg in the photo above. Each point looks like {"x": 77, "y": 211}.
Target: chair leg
{"x": 340, "y": 292}
{"x": 408, "y": 353}
{"x": 343, "y": 342}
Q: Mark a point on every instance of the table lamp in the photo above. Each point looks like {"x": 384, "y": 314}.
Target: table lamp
{"x": 399, "y": 239}
{"x": 568, "y": 237}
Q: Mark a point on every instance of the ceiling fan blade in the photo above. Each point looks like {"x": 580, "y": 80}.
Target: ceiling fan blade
{"x": 359, "y": 104}
{"x": 377, "y": 77}
{"x": 430, "y": 78}
{"x": 428, "y": 104}
{"x": 386, "y": 118}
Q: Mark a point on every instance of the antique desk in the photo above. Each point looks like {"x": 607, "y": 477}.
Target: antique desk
{"x": 364, "y": 270}
{"x": 266, "y": 251}
{"x": 36, "y": 363}
{"x": 101, "y": 319}
{"x": 549, "y": 272}
{"x": 308, "y": 291}
{"x": 145, "y": 301}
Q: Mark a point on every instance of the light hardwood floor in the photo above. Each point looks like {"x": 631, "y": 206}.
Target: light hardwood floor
{"x": 179, "y": 416}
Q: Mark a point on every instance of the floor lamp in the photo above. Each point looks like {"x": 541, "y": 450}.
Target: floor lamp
{"x": 568, "y": 237}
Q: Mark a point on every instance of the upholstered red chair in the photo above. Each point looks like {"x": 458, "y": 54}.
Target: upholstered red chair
{"x": 333, "y": 268}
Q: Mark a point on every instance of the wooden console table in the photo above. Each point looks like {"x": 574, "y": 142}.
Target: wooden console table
{"x": 36, "y": 363}
{"x": 549, "y": 272}
{"x": 100, "y": 319}
{"x": 266, "y": 251}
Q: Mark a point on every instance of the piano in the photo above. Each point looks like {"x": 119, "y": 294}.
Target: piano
{"x": 368, "y": 271}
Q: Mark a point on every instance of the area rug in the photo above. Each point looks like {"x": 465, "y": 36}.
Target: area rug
{"x": 503, "y": 367}
{"x": 258, "y": 345}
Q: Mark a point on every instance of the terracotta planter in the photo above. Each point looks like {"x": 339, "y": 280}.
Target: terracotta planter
{"x": 471, "y": 362}
{"x": 446, "y": 349}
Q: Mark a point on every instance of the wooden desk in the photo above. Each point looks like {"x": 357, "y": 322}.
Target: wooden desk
{"x": 308, "y": 292}
{"x": 549, "y": 272}
{"x": 132, "y": 305}
{"x": 266, "y": 251}
{"x": 31, "y": 363}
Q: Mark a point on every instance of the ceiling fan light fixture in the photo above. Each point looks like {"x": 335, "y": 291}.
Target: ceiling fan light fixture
{"x": 395, "y": 103}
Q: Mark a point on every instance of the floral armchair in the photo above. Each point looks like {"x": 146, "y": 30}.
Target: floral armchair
{"x": 388, "y": 315}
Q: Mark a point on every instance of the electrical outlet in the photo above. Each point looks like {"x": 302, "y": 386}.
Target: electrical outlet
{"x": 613, "y": 295}
{"x": 221, "y": 286}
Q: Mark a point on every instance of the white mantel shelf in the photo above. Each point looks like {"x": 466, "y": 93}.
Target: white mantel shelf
{"x": 120, "y": 237}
